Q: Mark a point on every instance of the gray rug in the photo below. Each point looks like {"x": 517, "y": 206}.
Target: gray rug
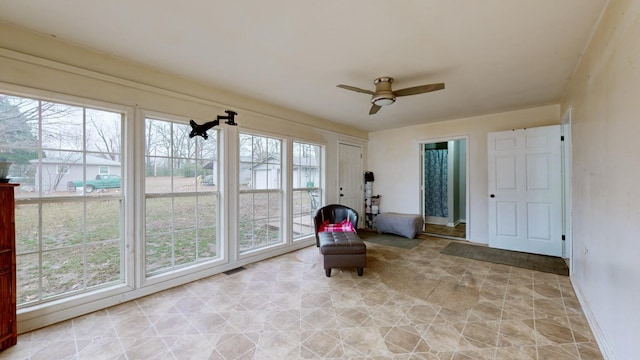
{"x": 544, "y": 263}
{"x": 389, "y": 239}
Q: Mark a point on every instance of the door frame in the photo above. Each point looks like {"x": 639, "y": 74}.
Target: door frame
{"x": 421, "y": 144}
{"x": 567, "y": 251}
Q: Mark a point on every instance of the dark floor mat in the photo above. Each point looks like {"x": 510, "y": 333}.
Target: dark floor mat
{"x": 544, "y": 263}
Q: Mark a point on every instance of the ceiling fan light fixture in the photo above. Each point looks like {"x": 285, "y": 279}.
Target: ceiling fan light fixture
{"x": 385, "y": 96}
{"x": 383, "y": 100}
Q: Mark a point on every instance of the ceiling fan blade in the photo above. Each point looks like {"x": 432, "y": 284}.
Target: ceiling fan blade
{"x": 353, "y": 88}
{"x": 374, "y": 109}
{"x": 419, "y": 89}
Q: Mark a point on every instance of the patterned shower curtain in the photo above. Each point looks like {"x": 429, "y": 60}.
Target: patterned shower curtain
{"x": 435, "y": 183}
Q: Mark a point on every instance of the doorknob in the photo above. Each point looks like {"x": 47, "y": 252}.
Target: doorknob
{"x": 341, "y": 194}
{"x": 492, "y": 195}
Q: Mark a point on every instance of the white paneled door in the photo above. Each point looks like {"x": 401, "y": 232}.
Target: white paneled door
{"x": 525, "y": 190}
{"x": 350, "y": 177}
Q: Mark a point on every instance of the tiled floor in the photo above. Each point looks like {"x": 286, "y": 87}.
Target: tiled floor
{"x": 410, "y": 304}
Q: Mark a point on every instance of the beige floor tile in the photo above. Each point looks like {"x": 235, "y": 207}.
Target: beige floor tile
{"x": 410, "y": 304}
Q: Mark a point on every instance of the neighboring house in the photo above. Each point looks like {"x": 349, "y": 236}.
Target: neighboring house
{"x": 56, "y": 172}
{"x": 267, "y": 174}
{"x": 306, "y": 171}
{"x": 245, "y": 169}
{"x": 255, "y": 175}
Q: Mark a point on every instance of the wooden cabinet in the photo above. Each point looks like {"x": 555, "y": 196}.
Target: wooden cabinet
{"x": 8, "y": 325}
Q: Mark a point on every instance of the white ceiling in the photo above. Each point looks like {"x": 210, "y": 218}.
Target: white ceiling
{"x": 493, "y": 55}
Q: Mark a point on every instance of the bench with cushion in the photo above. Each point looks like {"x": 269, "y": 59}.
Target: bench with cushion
{"x": 342, "y": 249}
{"x": 407, "y": 225}
{"x": 336, "y": 236}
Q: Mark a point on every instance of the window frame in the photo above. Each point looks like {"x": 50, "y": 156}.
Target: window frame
{"x": 110, "y": 289}
{"x": 62, "y": 169}
{"x": 187, "y": 270}
{"x": 319, "y": 187}
{"x": 282, "y": 191}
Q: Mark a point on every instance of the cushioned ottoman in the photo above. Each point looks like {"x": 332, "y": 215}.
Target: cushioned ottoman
{"x": 342, "y": 249}
{"x": 407, "y": 225}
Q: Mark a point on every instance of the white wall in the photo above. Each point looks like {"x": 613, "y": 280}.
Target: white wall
{"x": 606, "y": 180}
{"x": 394, "y": 157}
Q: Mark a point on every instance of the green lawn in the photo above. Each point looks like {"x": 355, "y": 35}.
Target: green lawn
{"x": 79, "y": 247}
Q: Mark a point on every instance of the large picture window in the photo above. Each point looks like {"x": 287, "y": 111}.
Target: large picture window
{"x": 182, "y": 198}
{"x": 68, "y": 240}
{"x": 78, "y": 231}
{"x": 260, "y": 219}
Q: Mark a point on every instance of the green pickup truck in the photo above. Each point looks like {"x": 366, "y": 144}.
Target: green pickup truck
{"x": 101, "y": 182}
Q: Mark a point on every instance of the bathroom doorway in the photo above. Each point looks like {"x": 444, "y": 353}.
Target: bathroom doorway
{"x": 444, "y": 187}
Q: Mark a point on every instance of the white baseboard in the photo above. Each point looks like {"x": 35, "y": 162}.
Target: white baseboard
{"x": 435, "y": 220}
{"x": 601, "y": 340}
{"x": 454, "y": 224}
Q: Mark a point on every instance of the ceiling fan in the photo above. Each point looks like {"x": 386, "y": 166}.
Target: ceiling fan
{"x": 384, "y": 96}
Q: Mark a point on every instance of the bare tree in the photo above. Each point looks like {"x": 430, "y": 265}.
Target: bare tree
{"x": 107, "y": 128}
{"x": 259, "y": 148}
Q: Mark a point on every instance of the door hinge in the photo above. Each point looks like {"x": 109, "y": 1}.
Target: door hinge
{"x": 564, "y": 238}
{"x": 562, "y": 138}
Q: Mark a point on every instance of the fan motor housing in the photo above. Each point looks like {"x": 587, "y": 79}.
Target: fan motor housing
{"x": 383, "y": 95}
